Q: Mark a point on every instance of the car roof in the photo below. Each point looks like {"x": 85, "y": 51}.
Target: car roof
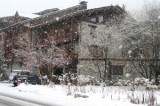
{"x": 21, "y": 70}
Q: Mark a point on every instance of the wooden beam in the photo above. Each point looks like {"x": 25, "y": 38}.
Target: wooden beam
{"x": 119, "y": 59}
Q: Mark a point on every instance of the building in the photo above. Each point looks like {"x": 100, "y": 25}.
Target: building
{"x": 70, "y": 28}
{"x": 10, "y": 20}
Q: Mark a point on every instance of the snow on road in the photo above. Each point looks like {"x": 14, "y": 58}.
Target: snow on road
{"x": 58, "y": 94}
{"x": 7, "y": 101}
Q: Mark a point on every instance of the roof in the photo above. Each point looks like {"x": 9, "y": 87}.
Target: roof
{"x": 9, "y": 20}
{"x": 52, "y": 14}
{"x": 78, "y": 13}
{"x": 58, "y": 13}
{"x": 47, "y": 11}
{"x": 12, "y": 17}
{"x": 16, "y": 24}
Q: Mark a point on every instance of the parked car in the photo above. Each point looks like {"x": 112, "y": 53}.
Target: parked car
{"x": 20, "y": 73}
{"x": 33, "y": 79}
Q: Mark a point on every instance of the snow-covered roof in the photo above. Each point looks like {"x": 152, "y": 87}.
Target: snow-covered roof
{"x": 29, "y": 15}
{"x": 59, "y": 13}
{"x": 20, "y": 70}
{"x": 9, "y": 21}
{"x": 79, "y": 10}
{"x": 16, "y": 24}
{"x": 47, "y": 11}
{"x": 36, "y": 18}
{"x": 78, "y": 13}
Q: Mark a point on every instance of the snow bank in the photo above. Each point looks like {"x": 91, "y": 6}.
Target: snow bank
{"x": 80, "y": 96}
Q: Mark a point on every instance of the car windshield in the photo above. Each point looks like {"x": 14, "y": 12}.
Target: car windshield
{"x": 24, "y": 73}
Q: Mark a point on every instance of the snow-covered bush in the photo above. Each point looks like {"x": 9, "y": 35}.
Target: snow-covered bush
{"x": 142, "y": 81}
{"x": 3, "y": 75}
{"x": 44, "y": 79}
{"x": 121, "y": 82}
{"x": 86, "y": 80}
{"x": 151, "y": 87}
{"x": 137, "y": 82}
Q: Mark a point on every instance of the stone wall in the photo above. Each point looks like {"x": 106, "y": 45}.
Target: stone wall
{"x": 104, "y": 37}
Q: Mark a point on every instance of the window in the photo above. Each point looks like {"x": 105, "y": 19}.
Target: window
{"x": 117, "y": 69}
{"x": 93, "y": 19}
{"x": 101, "y": 52}
{"x": 96, "y": 51}
{"x": 92, "y": 30}
{"x": 67, "y": 31}
{"x": 93, "y": 50}
{"x": 5, "y": 20}
{"x": 1, "y": 36}
{"x": 100, "y": 19}
{"x": 155, "y": 68}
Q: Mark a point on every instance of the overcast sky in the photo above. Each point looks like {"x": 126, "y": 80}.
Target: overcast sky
{"x": 26, "y": 7}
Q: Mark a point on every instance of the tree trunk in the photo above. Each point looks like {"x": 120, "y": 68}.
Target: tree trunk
{"x": 109, "y": 71}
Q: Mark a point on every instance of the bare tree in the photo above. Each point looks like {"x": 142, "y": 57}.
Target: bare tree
{"x": 149, "y": 11}
{"x": 142, "y": 42}
{"x": 3, "y": 66}
{"x": 44, "y": 55}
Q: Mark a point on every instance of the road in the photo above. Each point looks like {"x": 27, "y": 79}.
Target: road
{"x": 8, "y": 101}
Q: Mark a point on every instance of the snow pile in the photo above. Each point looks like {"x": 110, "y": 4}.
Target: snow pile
{"x": 121, "y": 82}
{"x": 82, "y": 95}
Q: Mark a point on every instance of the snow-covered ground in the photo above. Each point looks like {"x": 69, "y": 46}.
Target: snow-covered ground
{"x": 77, "y": 96}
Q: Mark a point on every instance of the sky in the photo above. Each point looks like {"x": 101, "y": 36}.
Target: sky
{"x": 27, "y": 7}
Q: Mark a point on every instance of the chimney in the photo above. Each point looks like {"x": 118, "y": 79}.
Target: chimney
{"x": 17, "y": 17}
{"x": 83, "y": 3}
{"x": 16, "y": 14}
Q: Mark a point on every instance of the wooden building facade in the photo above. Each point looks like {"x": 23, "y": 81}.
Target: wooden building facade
{"x": 61, "y": 26}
